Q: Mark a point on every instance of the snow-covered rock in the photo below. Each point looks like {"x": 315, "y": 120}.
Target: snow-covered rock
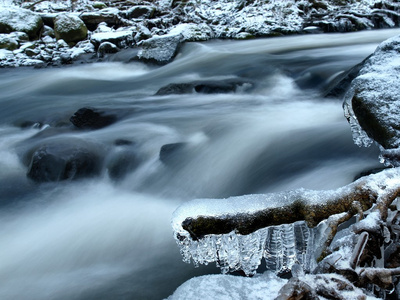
{"x": 69, "y": 28}
{"x": 121, "y": 39}
{"x": 218, "y": 287}
{"x": 17, "y": 19}
{"x": 193, "y": 32}
{"x": 372, "y": 103}
{"x": 160, "y": 49}
{"x": 140, "y": 11}
{"x": 8, "y": 42}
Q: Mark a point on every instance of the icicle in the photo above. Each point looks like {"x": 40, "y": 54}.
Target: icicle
{"x": 360, "y": 137}
{"x": 281, "y": 246}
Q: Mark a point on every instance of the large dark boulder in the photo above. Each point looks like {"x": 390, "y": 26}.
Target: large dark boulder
{"x": 373, "y": 101}
{"x": 23, "y": 20}
{"x": 70, "y": 159}
{"x": 92, "y": 118}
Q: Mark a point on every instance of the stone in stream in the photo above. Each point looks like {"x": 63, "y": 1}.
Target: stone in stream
{"x": 122, "y": 162}
{"x": 172, "y": 154}
{"x": 91, "y": 118}
{"x": 206, "y": 87}
{"x": 70, "y": 159}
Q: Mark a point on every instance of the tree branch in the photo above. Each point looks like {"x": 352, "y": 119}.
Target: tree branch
{"x": 355, "y": 198}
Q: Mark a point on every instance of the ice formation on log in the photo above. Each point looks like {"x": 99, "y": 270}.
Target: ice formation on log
{"x": 280, "y": 246}
{"x": 238, "y": 232}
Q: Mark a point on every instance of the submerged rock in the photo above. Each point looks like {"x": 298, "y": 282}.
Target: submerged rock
{"x": 173, "y": 154}
{"x": 55, "y": 161}
{"x": 206, "y": 87}
{"x": 91, "y": 118}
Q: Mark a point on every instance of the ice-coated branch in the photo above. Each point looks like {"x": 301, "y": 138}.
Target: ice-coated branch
{"x": 283, "y": 228}
{"x": 299, "y": 205}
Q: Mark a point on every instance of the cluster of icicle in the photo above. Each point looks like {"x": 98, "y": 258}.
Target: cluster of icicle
{"x": 281, "y": 247}
{"x": 360, "y": 137}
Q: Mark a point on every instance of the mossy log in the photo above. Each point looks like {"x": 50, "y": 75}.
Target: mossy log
{"x": 355, "y": 198}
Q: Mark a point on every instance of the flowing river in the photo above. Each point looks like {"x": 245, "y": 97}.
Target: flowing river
{"x": 109, "y": 237}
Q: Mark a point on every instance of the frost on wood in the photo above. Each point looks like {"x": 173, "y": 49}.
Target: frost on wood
{"x": 283, "y": 228}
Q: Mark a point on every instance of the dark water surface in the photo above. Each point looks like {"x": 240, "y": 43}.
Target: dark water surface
{"x": 105, "y": 238}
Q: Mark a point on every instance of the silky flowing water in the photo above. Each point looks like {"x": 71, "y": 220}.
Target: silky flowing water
{"x": 101, "y": 238}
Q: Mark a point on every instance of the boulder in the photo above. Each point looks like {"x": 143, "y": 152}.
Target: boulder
{"x": 70, "y": 159}
{"x": 91, "y": 118}
{"x": 17, "y": 19}
{"x": 373, "y": 102}
{"x": 69, "y": 28}
{"x": 160, "y": 49}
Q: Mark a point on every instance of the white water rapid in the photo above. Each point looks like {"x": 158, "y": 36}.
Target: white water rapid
{"x": 111, "y": 238}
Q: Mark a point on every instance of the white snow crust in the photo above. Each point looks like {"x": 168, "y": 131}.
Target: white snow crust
{"x": 227, "y": 287}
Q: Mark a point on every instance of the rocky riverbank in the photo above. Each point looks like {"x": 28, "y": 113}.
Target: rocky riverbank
{"x": 52, "y": 33}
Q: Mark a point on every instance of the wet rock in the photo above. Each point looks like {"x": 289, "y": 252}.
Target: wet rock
{"x": 176, "y": 88}
{"x": 69, "y": 28}
{"x": 55, "y": 161}
{"x": 122, "y": 162}
{"x": 172, "y": 154}
{"x": 341, "y": 84}
{"x": 91, "y": 118}
{"x": 17, "y": 19}
{"x": 206, "y": 87}
{"x": 160, "y": 49}
{"x": 106, "y": 48}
